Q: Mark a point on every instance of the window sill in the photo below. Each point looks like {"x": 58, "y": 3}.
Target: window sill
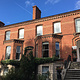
{"x": 20, "y": 38}
{"x": 58, "y": 33}
{"x": 17, "y": 59}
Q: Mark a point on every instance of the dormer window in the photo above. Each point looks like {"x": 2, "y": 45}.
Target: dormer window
{"x": 39, "y": 30}
{"x": 77, "y": 24}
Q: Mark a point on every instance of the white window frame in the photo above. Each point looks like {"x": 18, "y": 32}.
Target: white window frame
{"x": 21, "y": 35}
{"x": 7, "y": 52}
{"x": 39, "y": 30}
{"x": 45, "y": 72}
{"x": 7, "y": 36}
{"x": 45, "y": 43}
{"x": 18, "y": 52}
{"x": 77, "y": 25}
{"x": 57, "y": 27}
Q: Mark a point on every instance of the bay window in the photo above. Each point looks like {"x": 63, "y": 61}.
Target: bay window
{"x": 45, "y": 49}
{"x": 8, "y": 52}
{"x": 18, "y": 52}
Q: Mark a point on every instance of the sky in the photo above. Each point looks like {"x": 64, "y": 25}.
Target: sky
{"x": 15, "y": 11}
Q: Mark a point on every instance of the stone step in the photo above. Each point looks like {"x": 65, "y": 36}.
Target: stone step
{"x": 74, "y": 72}
{"x": 72, "y": 79}
{"x": 78, "y": 75}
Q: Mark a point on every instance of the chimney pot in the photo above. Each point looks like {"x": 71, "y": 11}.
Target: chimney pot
{"x": 36, "y": 12}
{"x": 1, "y": 24}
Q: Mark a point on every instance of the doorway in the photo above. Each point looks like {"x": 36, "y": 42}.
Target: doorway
{"x": 78, "y": 51}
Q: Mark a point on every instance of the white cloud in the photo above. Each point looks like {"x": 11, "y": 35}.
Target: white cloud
{"x": 29, "y": 3}
{"x": 78, "y": 4}
{"x": 52, "y": 1}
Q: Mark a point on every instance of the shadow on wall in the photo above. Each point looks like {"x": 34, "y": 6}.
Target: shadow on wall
{"x": 66, "y": 51}
{"x": 29, "y": 42}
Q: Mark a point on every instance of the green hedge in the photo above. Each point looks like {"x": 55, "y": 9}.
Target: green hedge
{"x": 11, "y": 62}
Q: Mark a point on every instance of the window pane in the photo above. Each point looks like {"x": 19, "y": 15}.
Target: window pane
{"x": 39, "y": 30}
{"x": 18, "y": 49}
{"x": 21, "y": 33}
{"x": 8, "y": 35}
{"x": 77, "y": 25}
{"x": 45, "y": 46}
{"x": 57, "y": 27}
{"x": 57, "y": 49}
{"x": 57, "y": 53}
{"x": 17, "y": 56}
{"x": 18, "y": 52}
{"x": 45, "y": 69}
{"x": 8, "y": 52}
{"x": 45, "y": 49}
{"x": 46, "y": 53}
{"x": 57, "y": 46}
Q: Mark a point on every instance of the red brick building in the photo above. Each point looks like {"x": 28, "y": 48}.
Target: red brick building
{"x": 53, "y": 35}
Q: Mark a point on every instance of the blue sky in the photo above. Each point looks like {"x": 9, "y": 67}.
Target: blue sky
{"x": 15, "y": 11}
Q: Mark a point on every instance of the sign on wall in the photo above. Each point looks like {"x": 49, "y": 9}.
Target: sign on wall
{"x": 74, "y": 47}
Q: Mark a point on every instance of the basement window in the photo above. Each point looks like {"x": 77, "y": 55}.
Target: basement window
{"x": 18, "y": 52}
{"x": 45, "y": 70}
{"x": 45, "y": 49}
{"x": 39, "y": 30}
{"x": 8, "y": 52}
{"x": 7, "y": 37}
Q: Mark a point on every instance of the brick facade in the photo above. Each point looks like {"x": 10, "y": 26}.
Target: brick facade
{"x": 66, "y": 38}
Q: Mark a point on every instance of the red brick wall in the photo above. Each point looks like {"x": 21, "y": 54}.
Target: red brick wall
{"x": 67, "y": 29}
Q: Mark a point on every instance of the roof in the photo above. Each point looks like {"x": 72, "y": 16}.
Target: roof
{"x": 66, "y": 14}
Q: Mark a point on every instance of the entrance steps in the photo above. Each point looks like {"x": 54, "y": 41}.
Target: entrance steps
{"x": 73, "y": 73}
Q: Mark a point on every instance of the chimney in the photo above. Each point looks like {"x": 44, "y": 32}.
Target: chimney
{"x": 36, "y": 12}
{"x": 1, "y": 24}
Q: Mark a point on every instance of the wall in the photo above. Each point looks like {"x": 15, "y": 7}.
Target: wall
{"x": 67, "y": 30}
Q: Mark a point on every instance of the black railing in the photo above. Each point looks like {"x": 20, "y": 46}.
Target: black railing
{"x": 66, "y": 62}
